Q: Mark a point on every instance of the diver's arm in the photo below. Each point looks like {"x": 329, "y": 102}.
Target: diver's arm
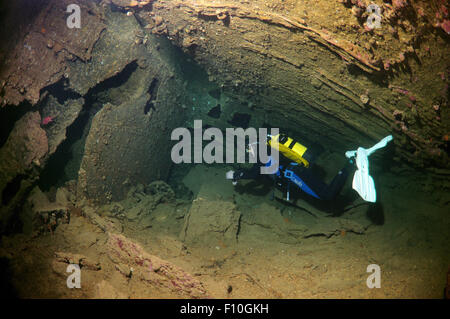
{"x": 251, "y": 173}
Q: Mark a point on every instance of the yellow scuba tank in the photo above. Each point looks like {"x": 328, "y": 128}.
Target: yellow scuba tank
{"x": 290, "y": 148}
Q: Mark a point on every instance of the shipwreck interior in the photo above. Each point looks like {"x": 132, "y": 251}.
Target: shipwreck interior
{"x": 87, "y": 175}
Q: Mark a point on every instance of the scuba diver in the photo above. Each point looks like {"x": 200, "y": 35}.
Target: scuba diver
{"x": 294, "y": 168}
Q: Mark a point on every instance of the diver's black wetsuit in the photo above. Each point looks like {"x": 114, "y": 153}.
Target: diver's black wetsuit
{"x": 324, "y": 191}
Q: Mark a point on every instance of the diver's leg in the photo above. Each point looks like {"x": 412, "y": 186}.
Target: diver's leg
{"x": 324, "y": 191}
{"x": 338, "y": 181}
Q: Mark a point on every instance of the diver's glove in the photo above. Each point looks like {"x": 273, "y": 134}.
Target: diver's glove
{"x": 230, "y": 175}
{"x": 234, "y": 176}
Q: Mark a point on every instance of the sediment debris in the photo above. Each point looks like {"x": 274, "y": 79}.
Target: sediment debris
{"x": 77, "y": 259}
{"x": 210, "y": 222}
{"x": 132, "y": 260}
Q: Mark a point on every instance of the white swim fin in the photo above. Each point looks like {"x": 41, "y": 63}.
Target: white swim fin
{"x": 365, "y": 186}
{"x": 362, "y": 182}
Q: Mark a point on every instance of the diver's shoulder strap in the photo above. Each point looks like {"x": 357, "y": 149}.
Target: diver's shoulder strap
{"x": 294, "y": 178}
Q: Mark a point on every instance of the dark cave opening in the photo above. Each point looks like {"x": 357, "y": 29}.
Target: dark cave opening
{"x": 56, "y": 172}
{"x": 215, "y": 112}
{"x": 53, "y": 174}
{"x": 152, "y": 90}
{"x": 60, "y": 91}
{"x": 6, "y": 275}
{"x": 11, "y": 189}
{"x": 240, "y": 120}
{"x": 9, "y": 115}
{"x": 113, "y": 82}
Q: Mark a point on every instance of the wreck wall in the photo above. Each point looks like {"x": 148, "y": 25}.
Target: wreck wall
{"x": 72, "y": 73}
{"x": 317, "y": 69}
{"x": 129, "y": 138}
